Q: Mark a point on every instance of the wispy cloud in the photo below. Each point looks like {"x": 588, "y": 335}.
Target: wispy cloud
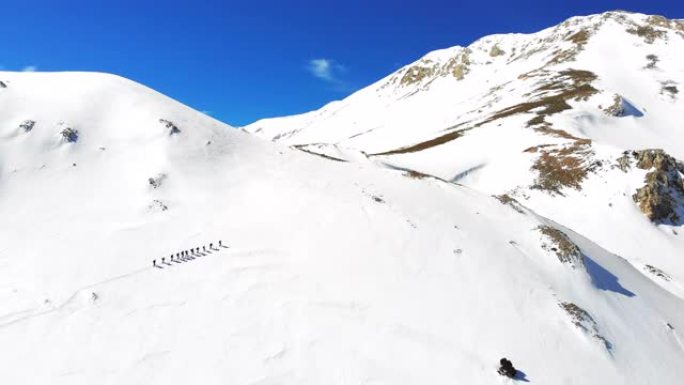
{"x": 329, "y": 71}
{"x": 29, "y": 69}
{"x": 324, "y": 69}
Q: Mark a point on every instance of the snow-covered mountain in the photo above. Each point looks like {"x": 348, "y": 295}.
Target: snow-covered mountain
{"x": 378, "y": 269}
{"x": 567, "y": 121}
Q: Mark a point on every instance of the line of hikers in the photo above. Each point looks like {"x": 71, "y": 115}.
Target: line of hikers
{"x": 182, "y": 255}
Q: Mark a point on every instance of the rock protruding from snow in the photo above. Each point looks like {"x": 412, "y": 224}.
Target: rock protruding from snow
{"x": 173, "y": 128}
{"x": 661, "y": 199}
{"x": 657, "y": 272}
{"x": 70, "y": 135}
{"x": 27, "y": 125}
{"x": 585, "y": 322}
{"x": 560, "y": 244}
{"x": 622, "y": 107}
{"x": 157, "y": 181}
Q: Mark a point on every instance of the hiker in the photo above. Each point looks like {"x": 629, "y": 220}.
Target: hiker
{"x": 171, "y": 257}
{"x": 211, "y": 245}
{"x": 154, "y": 262}
{"x": 204, "y": 248}
{"x": 220, "y": 243}
{"x": 506, "y": 368}
{"x": 163, "y": 260}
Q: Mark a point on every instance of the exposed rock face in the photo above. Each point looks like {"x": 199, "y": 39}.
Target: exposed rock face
{"x": 70, "y": 135}
{"x": 157, "y": 181}
{"x": 617, "y": 108}
{"x": 157, "y": 206}
{"x": 585, "y": 322}
{"x": 427, "y": 70}
{"x": 661, "y": 199}
{"x": 669, "y": 88}
{"x": 657, "y": 272}
{"x": 621, "y": 107}
{"x": 510, "y": 201}
{"x": 27, "y": 125}
{"x": 559, "y": 243}
{"x": 496, "y": 51}
{"x": 652, "y": 61}
{"x": 173, "y": 129}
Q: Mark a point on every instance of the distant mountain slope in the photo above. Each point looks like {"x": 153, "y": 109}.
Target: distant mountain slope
{"x": 566, "y": 120}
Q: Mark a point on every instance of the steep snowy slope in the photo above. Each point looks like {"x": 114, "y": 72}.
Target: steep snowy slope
{"x": 561, "y": 120}
{"x": 336, "y": 272}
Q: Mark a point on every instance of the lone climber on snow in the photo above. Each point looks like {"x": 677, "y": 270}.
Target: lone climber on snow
{"x": 506, "y": 368}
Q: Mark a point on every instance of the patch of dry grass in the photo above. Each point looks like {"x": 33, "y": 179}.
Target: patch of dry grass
{"x": 553, "y": 96}
{"x": 648, "y": 33}
{"x": 564, "y": 166}
{"x": 426, "y": 144}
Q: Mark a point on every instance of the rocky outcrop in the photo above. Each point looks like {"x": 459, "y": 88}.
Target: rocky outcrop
{"x": 157, "y": 181}
{"x": 661, "y": 199}
{"x": 657, "y": 272}
{"x": 510, "y": 201}
{"x": 669, "y": 88}
{"x": 157, "y": 206}
{"x": 617, "y": 108}
{"x": 173, "y": 128}
{"x": 621, "y": 107}
{"x": 70, "y": 135}
{"x": 585, "y": 322}
{"x": 427, "y": 70}
{"x": 558, "y": 242}
{"x": 496, "y": 51}
{"x": 27, "y": 125}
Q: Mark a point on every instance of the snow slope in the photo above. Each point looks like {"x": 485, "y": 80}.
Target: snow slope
{"x": 336, "y": 272}
{"x": 543, "y": 118}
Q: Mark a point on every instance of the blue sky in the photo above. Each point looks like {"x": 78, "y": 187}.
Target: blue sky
{"x": 244, "y": 60}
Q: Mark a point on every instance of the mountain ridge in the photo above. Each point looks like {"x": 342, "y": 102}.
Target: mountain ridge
{"x": 545, "y": 118}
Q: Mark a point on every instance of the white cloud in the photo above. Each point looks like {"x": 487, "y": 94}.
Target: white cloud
{"x": 322, "y": 69}
{"x": 29, "y": 69}
{"x": 330, "y": 72}
{"x": 326, "y": 69}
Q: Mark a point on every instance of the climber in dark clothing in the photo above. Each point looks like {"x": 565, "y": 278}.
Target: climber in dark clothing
{"x": 204, "y": 248}
{"x": 154, "y": 262}
{"x": 211, "y": 245}
{"x": 506, "y": 368}
{"x": 220, "y": 243}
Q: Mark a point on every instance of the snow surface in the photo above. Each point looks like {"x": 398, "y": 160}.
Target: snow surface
{"x": 335, "y": 272}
